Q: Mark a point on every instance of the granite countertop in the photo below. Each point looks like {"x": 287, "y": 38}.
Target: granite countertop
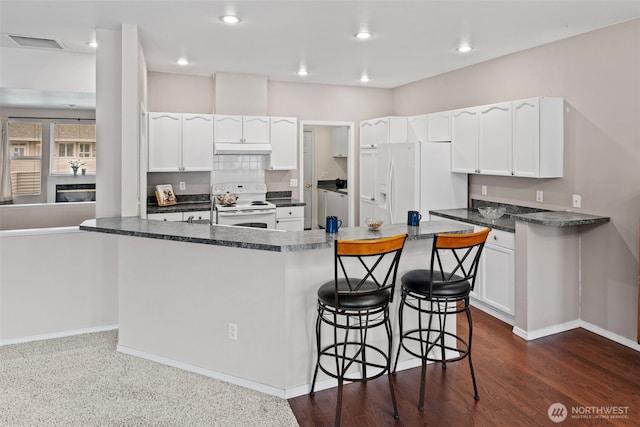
{"x": 260, "y": 239}
{"x": 186, "y": 203}
{"x": 283, "y": 199}
{"x": 330, "y": 185}
{"x": 516, "y": 213}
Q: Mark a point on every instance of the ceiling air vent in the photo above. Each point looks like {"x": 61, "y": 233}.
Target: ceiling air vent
{"x": 25, "y": 41}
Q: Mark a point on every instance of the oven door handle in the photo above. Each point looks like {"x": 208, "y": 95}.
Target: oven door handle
{"x": 252, "y": 212}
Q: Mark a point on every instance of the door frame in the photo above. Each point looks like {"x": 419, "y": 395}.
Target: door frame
{"x": 351, "y": 175}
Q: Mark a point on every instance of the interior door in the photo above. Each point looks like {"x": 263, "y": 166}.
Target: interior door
{"x": 308, "y": 192}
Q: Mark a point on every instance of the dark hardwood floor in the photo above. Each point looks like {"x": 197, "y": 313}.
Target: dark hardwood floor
{"x": 517, "y": 383}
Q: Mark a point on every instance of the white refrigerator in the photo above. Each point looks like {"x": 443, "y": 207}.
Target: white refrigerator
{"x": 417, "y": 176}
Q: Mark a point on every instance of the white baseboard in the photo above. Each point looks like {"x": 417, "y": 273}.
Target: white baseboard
{"x": 551, "y": 330}
{"x": 60, "y": 334}
{"x": 506, "y": 318}
{"x": 610, "y": 335}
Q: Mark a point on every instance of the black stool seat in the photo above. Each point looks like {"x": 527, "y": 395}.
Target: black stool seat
{"x": 419, "y": 282}
{"x": 369, "y": 297}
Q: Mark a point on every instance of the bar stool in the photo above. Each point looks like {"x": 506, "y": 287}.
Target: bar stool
{"x": 441, "y": 291}
{"x": 353, "y": 303}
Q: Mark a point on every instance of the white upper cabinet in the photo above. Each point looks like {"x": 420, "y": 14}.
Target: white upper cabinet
{"x": 383, "y": 130}
{"x": 340, "y": 141}
{"x": 197, "y": 142}
{"x": 284, "y": 143}
{"x": 495, "y": 138}
{"x": 538, "y": 137}
{"x": 241, "y": 129}
{"x": 519, "y": 138}
{"x": 464, "y": 132}
{"x": 180, "y": 142}
{"x": 417, "y": 128}
{"x": 439, "y": 126}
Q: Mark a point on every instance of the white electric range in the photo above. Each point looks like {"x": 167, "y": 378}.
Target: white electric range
{"x": 251, "y": 209}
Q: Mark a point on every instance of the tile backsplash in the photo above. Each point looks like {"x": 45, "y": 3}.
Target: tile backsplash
{"x": 239, "y": 168}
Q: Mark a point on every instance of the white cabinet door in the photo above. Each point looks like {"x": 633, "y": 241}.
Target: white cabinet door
{"x": 337, "y": 206}
{"x": 464, "y": 142}
{"x": 368, "y": 174}
{"x": 495, "y": 139}
{"x": 397, "y": 130}
{"x": 290, "y": 218}
{"x": 165, "y": 134}
{"x": 417, "y": 128}
{"x": 367, "y": 136}
{"x": 322, "y": 208}
{"x": 381, "y": 131}
{"x": 255, "y": 129}
{"x": 439, "y": 126}
{"x": 497, "y": 272}
{"x": 197, "y": 142}
{"x": 538, "y": 137}
{"x": 340, "y": 141}
{"x": 284, "y": 143}
{"x": 227, "y": 129}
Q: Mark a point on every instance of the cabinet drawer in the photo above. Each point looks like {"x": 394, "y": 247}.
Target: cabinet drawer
{"x": 290, "y": 212}
{"x": 502, "y": 238}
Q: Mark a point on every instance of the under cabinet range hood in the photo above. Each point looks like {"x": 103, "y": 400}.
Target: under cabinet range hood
{"x": 241, "y": 148}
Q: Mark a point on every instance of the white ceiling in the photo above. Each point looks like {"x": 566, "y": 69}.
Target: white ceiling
{"x": 412, "y": 39}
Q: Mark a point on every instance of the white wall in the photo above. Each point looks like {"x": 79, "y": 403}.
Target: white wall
{"x": 47, "y": 70}
{"x": 73, "y": 288}
{"x": 598, "y": 74}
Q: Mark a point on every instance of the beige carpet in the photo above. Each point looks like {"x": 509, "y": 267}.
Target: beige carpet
{"x": 83, "y": 381}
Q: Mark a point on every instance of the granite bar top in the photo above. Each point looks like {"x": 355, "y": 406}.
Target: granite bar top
{"x": 260, "y": 239}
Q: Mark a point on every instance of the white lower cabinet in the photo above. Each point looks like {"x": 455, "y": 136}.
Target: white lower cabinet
{"x": 180, "y": 216}
{"x": 495, "y": 285}
{"x": 290, "y": 218}
{"x": 173, "y": 216}
{"x": 337, "y": 205}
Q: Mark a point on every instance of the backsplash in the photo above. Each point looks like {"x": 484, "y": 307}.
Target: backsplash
{"x": 239, "y": 168}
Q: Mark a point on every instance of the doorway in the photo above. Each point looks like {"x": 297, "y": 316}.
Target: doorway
{"x": 328, "y": 168}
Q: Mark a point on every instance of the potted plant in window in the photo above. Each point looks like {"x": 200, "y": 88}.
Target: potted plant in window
{"x": 75, "y": 164}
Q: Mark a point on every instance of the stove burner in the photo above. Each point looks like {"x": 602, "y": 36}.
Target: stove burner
{"x": 258, "y": 203}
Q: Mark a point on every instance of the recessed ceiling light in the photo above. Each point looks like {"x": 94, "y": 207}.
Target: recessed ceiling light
{"x": 182, "y": 61}
{"x": 464, "y": 48}
{"x": 230, "y": 19}
{"x": 364, "y": 78}
{"x": 93, "y": 44}
{"x": 303, "y": 72}
{"x": 363, "y": 35}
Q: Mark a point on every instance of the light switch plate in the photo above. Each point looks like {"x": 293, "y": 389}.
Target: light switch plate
{"x": 539, "y": 196}
{"x": 293, "y": 182}
{"x": 183, "y": 185}
{"x": 484, "y": 190}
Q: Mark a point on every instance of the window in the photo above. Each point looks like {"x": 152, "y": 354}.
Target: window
{"x": 66, "y": 149}
{"x": 25, "y": 141}
{"x": 73, "y": 142}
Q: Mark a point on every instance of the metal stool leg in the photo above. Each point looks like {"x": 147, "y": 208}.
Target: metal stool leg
{"x": 400, "y": 311}
{"x": 315, "y": 373}
{"x": 473, "y": 375}
{"x": 387, "y": 326}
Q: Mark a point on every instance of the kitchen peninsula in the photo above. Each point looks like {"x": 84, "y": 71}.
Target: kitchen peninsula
{"x": 181, "y": 286}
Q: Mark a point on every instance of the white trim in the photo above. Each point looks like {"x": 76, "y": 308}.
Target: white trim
{"x": 39, "y": 231}
{"x": 610, "y": 335}
{"x": 550, "y": 330}
{"x": 61, "y": 334}
{"x": 482, "y": 306}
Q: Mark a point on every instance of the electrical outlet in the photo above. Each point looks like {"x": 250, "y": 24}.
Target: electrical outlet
{"x": 577, "y": 200}
{"x": 233, "y": 331}
{"x": 539, "y": 196}
{"x": 293, "y": 182}
{"x": 484, "y": 190}
{"x": 183, "y": 185}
